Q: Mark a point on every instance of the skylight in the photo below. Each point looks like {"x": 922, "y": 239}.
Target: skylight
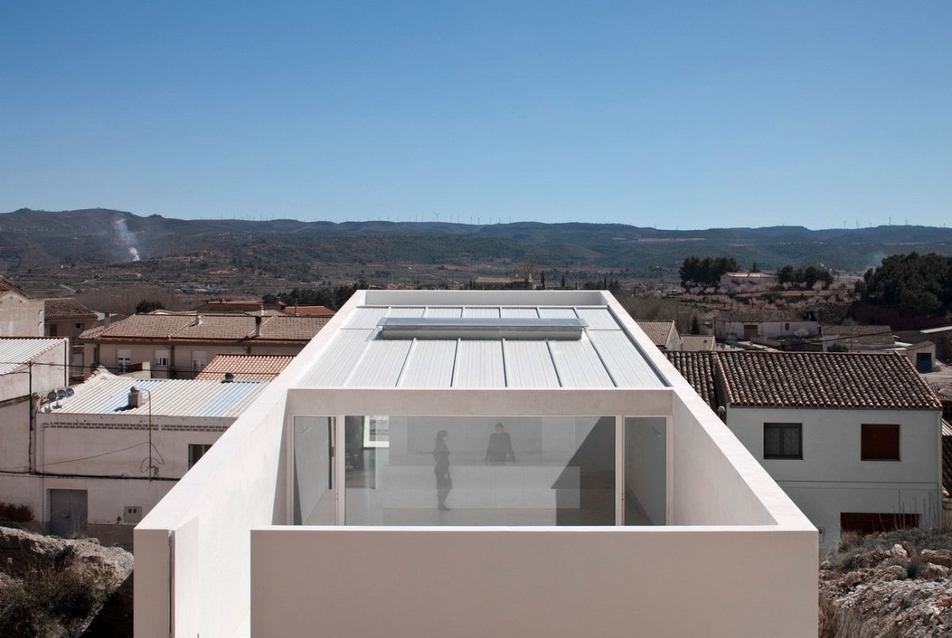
{"x": 566, "y": 329}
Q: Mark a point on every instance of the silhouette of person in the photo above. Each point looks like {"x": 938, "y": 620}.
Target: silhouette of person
{"x": 500, "y": 446}
{"x": 441, "y": 456}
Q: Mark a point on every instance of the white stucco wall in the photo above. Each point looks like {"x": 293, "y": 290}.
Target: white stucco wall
{"x": 180, "y": 353}
{"x": 552, "y": 582}
{"x": 831, "y": 478}
{"x": 21, "y": 317}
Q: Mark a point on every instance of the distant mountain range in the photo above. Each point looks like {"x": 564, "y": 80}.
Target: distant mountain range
{"x": 43, "y": 239}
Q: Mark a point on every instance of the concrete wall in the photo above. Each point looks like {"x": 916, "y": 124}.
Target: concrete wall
{"x": 21, "y": 317}
{"x": 831, "y": 478}
{"x": 767, "y": 329}
{"x": 553, "y": 582}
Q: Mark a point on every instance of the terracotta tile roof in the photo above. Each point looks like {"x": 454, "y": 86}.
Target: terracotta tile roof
{"x": 245, "y": 367}
{"x": 823, "y": 380}
{"x": 8, "y": 286}
{"x": 806, "y": 379}
{"x": 292, "y": 328}
{"x": 309, "y": 311}
{"x": 201, "y": 327}
{"x": 697, "y": 369}
{"x": 66, "y": 308}
{"x": 861, "y": 335}
{"x": 657, "y": 331}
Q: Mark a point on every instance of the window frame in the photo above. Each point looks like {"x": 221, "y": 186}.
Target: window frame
{"x": 197, "y": 448}
{"x": 781, "y": 427}
{"x": 866, "y": 454}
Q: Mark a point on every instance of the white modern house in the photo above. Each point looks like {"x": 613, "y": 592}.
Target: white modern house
{"x": 853, "y": 438}
{"x": 620, "y": 504}
{"x": 103, "y": 456}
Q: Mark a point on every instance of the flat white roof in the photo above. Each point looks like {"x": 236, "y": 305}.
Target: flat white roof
{"x": 16, "y": 352}
{"x": 109, "y": 394}
{"x": 605, "y": 354}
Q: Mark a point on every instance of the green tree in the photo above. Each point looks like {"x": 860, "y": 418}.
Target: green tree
{"x": 148, "y": 305}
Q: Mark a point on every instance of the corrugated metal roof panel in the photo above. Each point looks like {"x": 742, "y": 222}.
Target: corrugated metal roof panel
{"x": 598, "y": 318}
{"x": 615, "y": 347}
{"x": 409, "y": 311}
{"x": 430, "y": 365}
{"x": 15, "y": 352}
{"x": 519, "y": 312}
{"x": 479, "y": 365}
{"x": 162, "y": 397}
{"x": 439, "y": 311}
{"x": 529, "y": 365}
{"x": 557, "y": 313}
{"x": 381, "y": 364}
{"x": 333, "y": 367}
{"x": 579, "y": 366}
{"x": 482, "y": 312}
{"x": 366, "y": 317}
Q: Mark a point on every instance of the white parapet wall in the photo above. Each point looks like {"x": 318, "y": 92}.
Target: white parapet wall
{"x": 554, "y": 582}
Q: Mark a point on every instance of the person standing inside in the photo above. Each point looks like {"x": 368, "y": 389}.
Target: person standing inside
{"x": 500, "y": 446}
{"x": 441, "y": 457}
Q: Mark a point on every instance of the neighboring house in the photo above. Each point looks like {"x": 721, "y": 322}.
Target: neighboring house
{"x": 317, "y": 511}
{"x": 858, "y": 338}
{"x": 853, "y": 438}
{"x": 106, "y": 454}
{"x": 663, "y": 334}
{"x": 239, "y": 306}
{"x": 28, "y": 368}
{"x": 68, "y": 318}
{"x": 20, "y": 314}
{"x": 747, "y": 281}
{"x": 765, "y": 331}
{"x": 921, "y": 354}
{"x": 245, "y": 367}
{"x": 180, "y": 345}
{"x": 698, "y": 343}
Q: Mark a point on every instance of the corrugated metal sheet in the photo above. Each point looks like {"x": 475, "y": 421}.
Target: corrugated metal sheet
{"x": 430, "y": 365}
{"x": 15, "y": 352}
{"x": 579, "y": 366}
{"x": 437, "y": 311}
{"x": 381, "y": 365}
{"x": 598, "y": 318}
{"x": 162, "y": 397}
{"x": 479, "y": 365}
{"x": 628, "y": 370}
{"x": 529, "y": 365}
{"x": 487, "y": 312}
{"x": 333, "y": 367}
{"x": 519, "y": 312}
{"x": 603, "y": 358}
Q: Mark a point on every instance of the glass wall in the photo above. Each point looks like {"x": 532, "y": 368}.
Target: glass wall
{"x": 415, "y": 470}
{"x": 480, "y": 470}
{"x": 314, "y": 489}
{"x": 645, "y": 470}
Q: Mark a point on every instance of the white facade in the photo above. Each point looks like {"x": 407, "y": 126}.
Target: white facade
{"x": 761, "y": 330}
{"x": 221, "y": 555}
{"x": 831, "y": 478}
{"x": 118, "y": 461}
{"x": 20, "y": 316}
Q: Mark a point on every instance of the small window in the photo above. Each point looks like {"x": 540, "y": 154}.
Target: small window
{"x": 880, "y": 442}
{"x": 196, "y": 451}
{"x": 123, "y": 360}
{"x": 199, "y": 360}
{"x": 132, "y": 514}
{"x": 160, "y": 358}
{"x": 783, "y": 441}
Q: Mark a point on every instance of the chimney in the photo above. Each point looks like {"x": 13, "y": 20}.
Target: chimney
{"x": 229, "y": 378}
{"x": 257, "y": 326}
{"x": 197, "y": 321}
{"x": 135, "y": 398}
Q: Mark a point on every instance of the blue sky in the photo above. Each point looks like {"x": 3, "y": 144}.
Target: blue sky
{"x": 671, "y": 115}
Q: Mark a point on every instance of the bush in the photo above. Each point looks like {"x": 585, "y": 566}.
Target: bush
{"x": 16, "y": 513}
{"x": 47, "y": 602}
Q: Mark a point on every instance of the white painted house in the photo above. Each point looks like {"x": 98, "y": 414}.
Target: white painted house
{"x": 853, "y": 438}
{"x": 20, "y": 314}
{"x": 105, "y": 455}
{"x": 584, "y": 486}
